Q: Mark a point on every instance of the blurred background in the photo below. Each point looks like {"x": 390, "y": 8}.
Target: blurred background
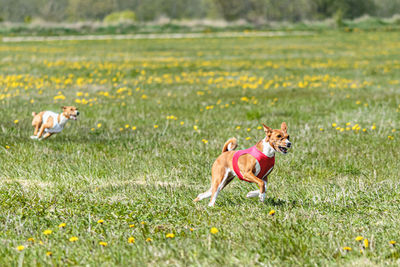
{"x": 226, "y": 12}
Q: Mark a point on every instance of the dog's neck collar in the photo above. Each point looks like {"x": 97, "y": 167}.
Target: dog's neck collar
{"x": 268, "y": 150}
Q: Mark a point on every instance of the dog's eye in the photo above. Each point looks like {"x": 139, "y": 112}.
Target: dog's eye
{"x": 279, "y": 136}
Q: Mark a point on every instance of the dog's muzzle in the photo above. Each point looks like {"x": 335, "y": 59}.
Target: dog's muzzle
{"x": 284, "y": 149}
{"x": 74, "y": 117}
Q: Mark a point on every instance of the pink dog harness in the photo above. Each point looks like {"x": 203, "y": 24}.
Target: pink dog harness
{"x": 266, "y": 163}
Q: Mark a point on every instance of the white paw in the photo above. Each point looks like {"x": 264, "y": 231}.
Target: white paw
{"x": 211, "y": 204}
{"x": 34, "y": 137}
{"x": 253, "y": 194}
{"x": 262, "y": 197}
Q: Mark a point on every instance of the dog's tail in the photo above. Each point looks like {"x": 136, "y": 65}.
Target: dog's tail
{"x": 34, "y": 114}
{"x": 229, "y": 145}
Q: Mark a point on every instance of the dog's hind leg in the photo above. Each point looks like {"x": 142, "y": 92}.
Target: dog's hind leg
{"x": 218, "y": 184}
{"x": 204, "y": 195}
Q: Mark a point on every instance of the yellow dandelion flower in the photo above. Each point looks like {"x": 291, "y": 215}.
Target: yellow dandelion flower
{"x": 62, "y": 225}
{"x": 359, "y": 238}
{"x": 366, "y": 243}
{"x": 100, "y": 221}
{"x": 133, "y": 128}
{"x": 92, "y": 129}
{"x": 98, "y": 125}
{"x": 393, "y": 130}
{"x": 144, "y": 96}
{"x": 143, "y": 223}
{"x": 259, "y": 128}
{"x": 321, "y": 129}
{"x": 248, "y": 138}
{"x": 358, "y": 102}
{"x": 237, "y": 127}
{"x": 20, "y": 248}
{"x": 364, "y": 130}
{"x": 347, "y": 248}
{"x": 191, "y": 229}
{"x": 342, "y": 129}
{"x": 170, "y": 235}
{"x": 73, "y": 239}
{"x": 131, "y": 240}
{"x": 182, "y": 122}
{"x": 126, "y": 126}
{"x": 195, "y": 127}
{"x": 32, "y": 101}
{"x": 214, "y": 230}
{"x": 47, "y": 232}
{"x": 272, "y": 212}
{"x": 49, "y": 253}
{"x": 31, "y": 239}
{"x": 392, "y": 242}
{"x": 16, "y": 121}
{"x": 121, "y": 129}
{"x": 349, "y": 123}
{"x": 204, "y": 141}
{"x": 347, "y": 128}
{"x": 149, "y": 239}
{"x": 373, "y": 127}
{"x": 102, "y": 243}
{"x": 334, "y": 124}
{"x": 131, "y": 225}
{"x": 155, "y": 126}
{"x": 7, "y": 147}
{"x": 248, "y": 129}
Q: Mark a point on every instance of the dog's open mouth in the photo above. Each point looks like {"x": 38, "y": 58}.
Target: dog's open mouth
{"x": 283, "y": 149}
{"x": 73, "y": 117}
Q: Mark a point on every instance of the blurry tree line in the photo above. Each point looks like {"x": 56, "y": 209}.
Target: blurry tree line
{"x": 148, "y": 10}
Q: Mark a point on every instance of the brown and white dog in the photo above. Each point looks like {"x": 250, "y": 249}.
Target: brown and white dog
{"x": 49, "y": 123}
{"x": 225, "y": 169}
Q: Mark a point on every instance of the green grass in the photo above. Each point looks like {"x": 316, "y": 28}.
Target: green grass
{"x": 333, "y": 185}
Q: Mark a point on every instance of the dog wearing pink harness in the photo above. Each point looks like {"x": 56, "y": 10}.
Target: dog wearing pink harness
{"x": 266, "y": 163}
{"x": 252, "y": 165}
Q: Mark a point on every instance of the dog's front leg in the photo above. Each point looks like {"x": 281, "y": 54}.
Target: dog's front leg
{"x": 261, "y": 184}
{"x": 256, "y": 193}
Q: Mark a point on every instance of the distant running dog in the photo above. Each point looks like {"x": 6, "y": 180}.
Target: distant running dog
{"x": 49, "y": 122}
{"x": 252, "y": 165}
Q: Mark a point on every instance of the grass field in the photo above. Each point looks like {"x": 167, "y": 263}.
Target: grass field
{"x": 154, "y": 116}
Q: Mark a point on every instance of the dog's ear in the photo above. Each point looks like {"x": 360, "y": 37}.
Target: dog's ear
{"x": 284, "y": 127}
{"x": 267, "y": 130}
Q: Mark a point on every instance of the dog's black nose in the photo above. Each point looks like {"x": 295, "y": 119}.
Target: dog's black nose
{"x": 77, "y": 113}
{"x": 289, "y": 144}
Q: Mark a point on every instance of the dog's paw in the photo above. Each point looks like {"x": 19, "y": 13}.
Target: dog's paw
{"x": 251, "y": 194}
{"x": 34, "y": 137}
{"x": 262, "y": 197}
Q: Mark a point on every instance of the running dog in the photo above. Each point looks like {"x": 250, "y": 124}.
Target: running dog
{"x": 252, "y": 165}
{"x": 49, "y": 123}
